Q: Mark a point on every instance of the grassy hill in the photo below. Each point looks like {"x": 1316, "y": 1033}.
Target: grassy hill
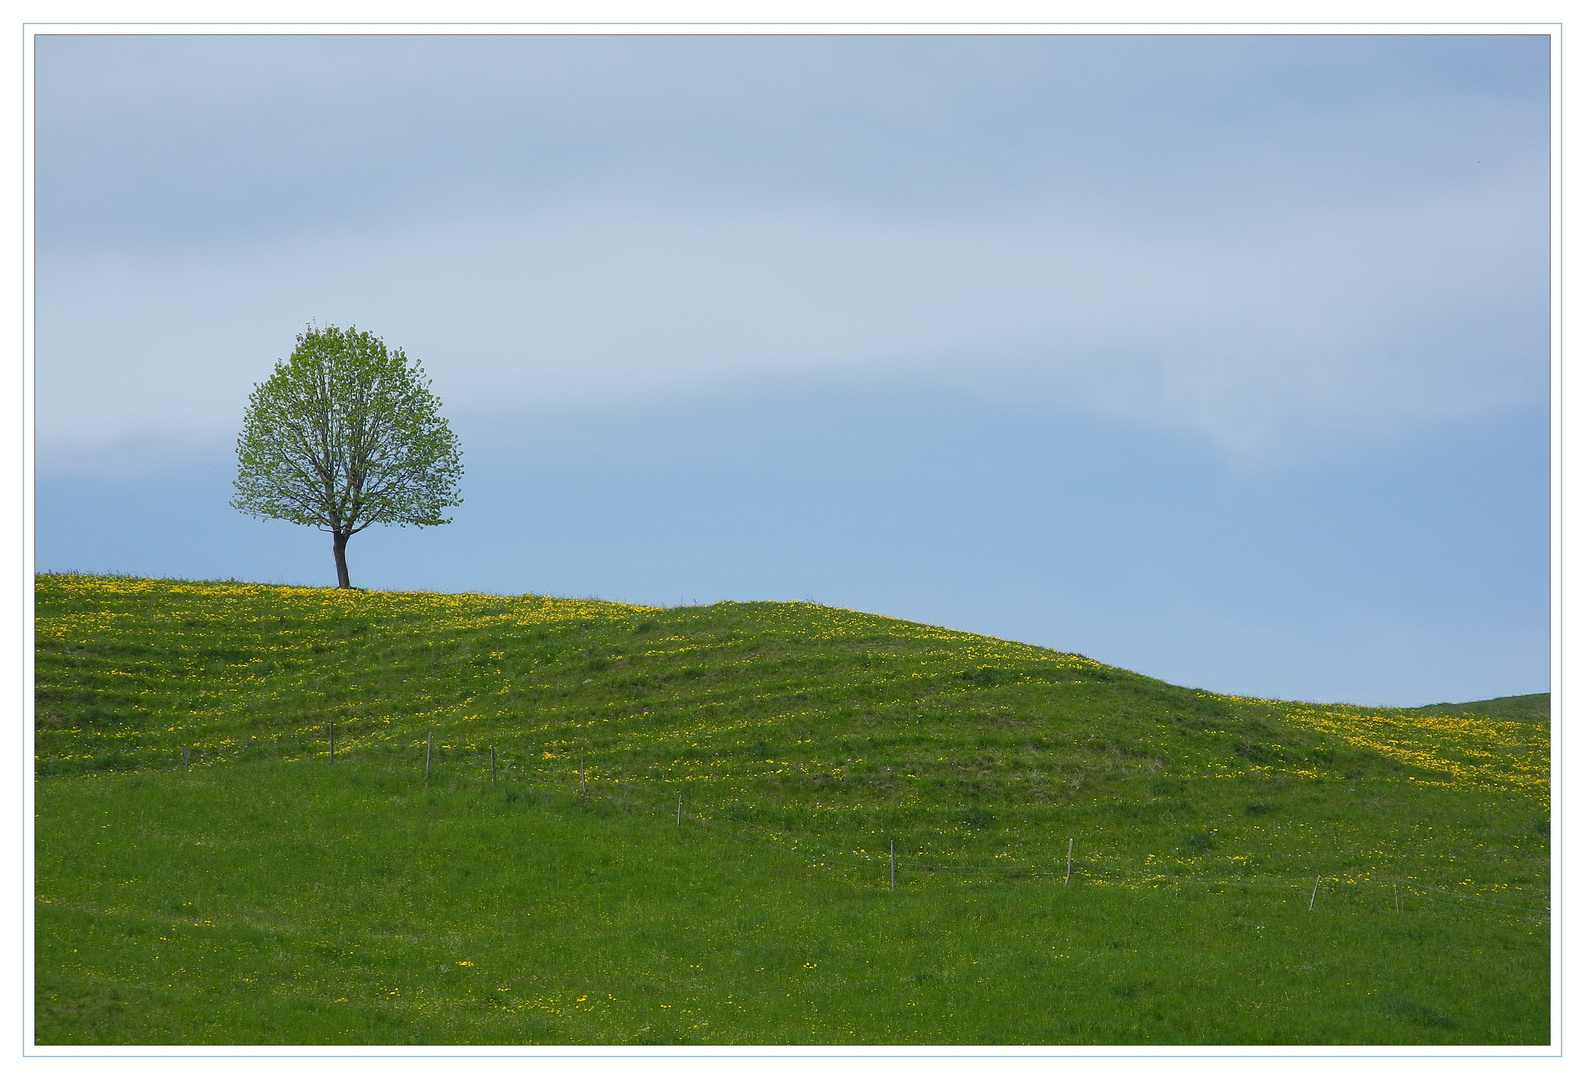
{"x": 1242, "y": 871}
{"x": 1517, "y": 707}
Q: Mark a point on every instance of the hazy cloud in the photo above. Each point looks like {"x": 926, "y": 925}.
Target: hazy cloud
{"x": 1251, "y": 239}
{"x": 1391, "y": 315}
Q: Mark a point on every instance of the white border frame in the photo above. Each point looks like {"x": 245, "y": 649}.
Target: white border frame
{"x": 1447, "y": 22}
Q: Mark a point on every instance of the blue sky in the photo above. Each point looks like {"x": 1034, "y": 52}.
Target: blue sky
{"x": 1220, "y": 358}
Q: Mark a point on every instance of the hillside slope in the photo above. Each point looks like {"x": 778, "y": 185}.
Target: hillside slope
{"x": 828, "y": 725}
{"x": 463, "y": 871}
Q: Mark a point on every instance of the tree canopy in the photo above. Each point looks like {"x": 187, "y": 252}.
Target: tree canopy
{"x": 345, "y": 435}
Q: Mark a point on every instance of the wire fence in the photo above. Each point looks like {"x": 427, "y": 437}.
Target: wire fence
{"x": 621, "y": 791}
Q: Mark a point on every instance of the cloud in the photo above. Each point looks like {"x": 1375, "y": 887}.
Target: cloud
{"x": 1255, "y": 240}
{"x": 1249, "y": 333}
{"x": 149, "y": 138}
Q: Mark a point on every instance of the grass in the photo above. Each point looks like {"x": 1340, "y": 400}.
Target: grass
{"x": 264, "y": 896}
{"x": 1518, "y": 707}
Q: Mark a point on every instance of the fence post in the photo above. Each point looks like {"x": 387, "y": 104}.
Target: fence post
{"x": 1069, "y": 874}
{"x": 492, "y": 766}
{"x": 429, "y": 746}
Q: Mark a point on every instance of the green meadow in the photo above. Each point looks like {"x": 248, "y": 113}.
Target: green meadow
{"x": 745, "y": 823}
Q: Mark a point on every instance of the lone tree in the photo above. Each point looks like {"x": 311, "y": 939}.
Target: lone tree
{"x": 344, "y": 435}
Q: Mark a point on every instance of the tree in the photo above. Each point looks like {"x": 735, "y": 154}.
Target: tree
{"x": 344, "y": 435}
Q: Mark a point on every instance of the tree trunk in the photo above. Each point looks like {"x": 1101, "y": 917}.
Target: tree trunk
{"x": 339, "y": 546}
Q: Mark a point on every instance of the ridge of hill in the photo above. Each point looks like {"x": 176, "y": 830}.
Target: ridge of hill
{"x": 1514, "y": 707}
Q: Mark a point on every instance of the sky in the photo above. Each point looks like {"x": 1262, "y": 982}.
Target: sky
{"x": 1220, "y": 358}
